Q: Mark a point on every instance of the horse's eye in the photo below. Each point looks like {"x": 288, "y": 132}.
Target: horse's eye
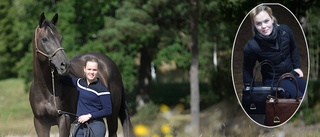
{"x": 44, "y": 39}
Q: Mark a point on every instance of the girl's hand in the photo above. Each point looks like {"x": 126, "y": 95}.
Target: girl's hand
{"x": 299, "y": 72}
{"x": 84, "y": 118}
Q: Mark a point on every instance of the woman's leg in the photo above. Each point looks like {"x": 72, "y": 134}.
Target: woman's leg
{"x": 290, "y": 86}
{"x": 302, "y": 86}
{"x": 97, "y": 128}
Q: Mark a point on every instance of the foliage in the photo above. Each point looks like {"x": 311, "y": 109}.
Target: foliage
{"x": 311, "y": 116}
{"x": 313, "y": 37}
{"x": 221, "y": 83}
{"x": 8, "y": 42}
{"x": 179, "y": 93}
{"x": 313, "y": 93}
{"x": 124, "y": 34}
{"x": 146, "y": 114}
{"x": 154, "y": 120}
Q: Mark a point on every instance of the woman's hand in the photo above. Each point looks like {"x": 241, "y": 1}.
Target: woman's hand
{"x": 299, "y": 72}
{"x": 84, "y": 118}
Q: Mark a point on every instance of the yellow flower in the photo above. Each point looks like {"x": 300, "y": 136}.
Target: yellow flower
{"x": 141, "y": 130}
{"x": 164, "y": 108}
{"x": 165, "y": 128}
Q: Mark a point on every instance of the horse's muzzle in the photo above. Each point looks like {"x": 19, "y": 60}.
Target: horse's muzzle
{"x": 64, "y": 68}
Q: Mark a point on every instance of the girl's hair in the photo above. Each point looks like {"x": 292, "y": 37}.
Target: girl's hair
{"x": 91, "y": 59}
{"x": 255, "y": 11}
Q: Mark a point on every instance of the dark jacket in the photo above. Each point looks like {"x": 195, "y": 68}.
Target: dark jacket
{"x": 93, "y": 98}
{"x": 285, "y": 57}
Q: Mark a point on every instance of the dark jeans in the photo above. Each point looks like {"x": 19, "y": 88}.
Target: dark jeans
{"x": 93, "y": 128}
{"x": 290, "y": 86}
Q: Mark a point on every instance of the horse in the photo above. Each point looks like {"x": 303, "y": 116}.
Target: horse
{"x": 54, "y": 103}
{"x": 46, "y": 96}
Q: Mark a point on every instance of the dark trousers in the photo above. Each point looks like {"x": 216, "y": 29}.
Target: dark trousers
{"x": 93, "y": 128}
{"x": 289, "y": 85}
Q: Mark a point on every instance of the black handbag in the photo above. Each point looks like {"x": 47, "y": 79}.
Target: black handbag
{"x": 254, "y": 97}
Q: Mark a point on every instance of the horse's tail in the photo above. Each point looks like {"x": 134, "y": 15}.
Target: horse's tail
{"x": 125, "y": 117}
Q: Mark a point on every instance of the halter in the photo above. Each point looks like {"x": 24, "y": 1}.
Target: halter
{"x": 52, "y": 72}
{"x": 44, "y": 54}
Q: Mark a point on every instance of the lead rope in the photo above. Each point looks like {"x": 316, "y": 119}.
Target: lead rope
{"x": 59, "y": 111}
{"x": 88, "y": 133}
{"x": 53, "y": 90}
{"x": 54, "y": 97}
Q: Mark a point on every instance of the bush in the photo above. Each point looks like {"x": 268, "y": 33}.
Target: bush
{"x": 146, "y": 114}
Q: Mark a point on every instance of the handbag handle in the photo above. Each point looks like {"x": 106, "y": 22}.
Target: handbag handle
{"x": 288, "y": 75}
{"x": 265, "y": 62}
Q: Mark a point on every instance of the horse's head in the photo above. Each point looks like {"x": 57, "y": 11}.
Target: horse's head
{"x": 47, "y": 45}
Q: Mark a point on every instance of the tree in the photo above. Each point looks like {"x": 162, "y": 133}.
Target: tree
{"x": 11, "y": 51}
{"x": 129, "y": 34}
{"x": 194, "y": 69}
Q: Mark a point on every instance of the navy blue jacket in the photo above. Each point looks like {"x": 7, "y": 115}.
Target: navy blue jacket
{"x": 93, "y": 98}
{"x": 285, "y": 58}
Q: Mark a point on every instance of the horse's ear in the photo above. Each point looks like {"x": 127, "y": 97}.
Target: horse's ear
{"x": 55, "y": 19}
{"x": 42, "y": 18}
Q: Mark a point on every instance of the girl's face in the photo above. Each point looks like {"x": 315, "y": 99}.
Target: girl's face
{"x": 263, "y": 23}
{"x": 90, "y": 71}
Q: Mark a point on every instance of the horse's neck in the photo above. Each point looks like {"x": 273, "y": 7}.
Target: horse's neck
{"x": 41, "y": 73}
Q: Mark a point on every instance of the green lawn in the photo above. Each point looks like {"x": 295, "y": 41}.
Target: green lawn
{"x": 15, "y": 113}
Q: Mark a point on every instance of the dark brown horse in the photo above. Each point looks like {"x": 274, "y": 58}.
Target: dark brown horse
{"x": 51, "y": 101}
{"x": 46, "y": 96}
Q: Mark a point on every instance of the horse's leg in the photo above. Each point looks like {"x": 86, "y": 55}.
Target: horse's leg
{"x": 64, "y": 125}
{"x": 112, "y": 125}
{"x": 42, "y": 129}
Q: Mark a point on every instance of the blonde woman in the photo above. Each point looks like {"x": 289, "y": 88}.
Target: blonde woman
{"x": 274, "y": 42}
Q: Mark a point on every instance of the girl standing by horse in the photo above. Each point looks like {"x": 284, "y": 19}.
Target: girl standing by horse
{"x": 94, "y": 102}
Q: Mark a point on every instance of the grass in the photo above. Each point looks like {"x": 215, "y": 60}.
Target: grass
{"x": 15, "y": 113}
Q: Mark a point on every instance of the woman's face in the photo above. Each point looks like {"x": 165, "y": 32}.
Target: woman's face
{"x": 91, "y": 70}
{"x": 263, "y": 23}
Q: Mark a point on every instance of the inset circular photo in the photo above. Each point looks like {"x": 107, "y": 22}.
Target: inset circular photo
{"x": 270, "y": 64}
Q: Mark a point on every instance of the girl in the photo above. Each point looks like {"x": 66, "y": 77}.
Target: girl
{"x": 94, "y": 102}
{"x": 274, "y": 42}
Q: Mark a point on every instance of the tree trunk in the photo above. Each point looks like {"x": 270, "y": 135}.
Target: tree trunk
{"x": 144, "y": 77}
{"x": 194, "y": 71}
